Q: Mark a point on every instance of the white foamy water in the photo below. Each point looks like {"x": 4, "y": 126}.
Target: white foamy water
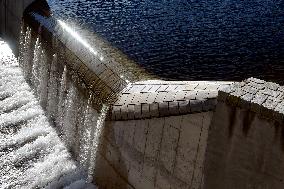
{"x": 31, "y": 153}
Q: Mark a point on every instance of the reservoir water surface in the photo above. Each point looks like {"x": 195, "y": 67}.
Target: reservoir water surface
{"x": 189, "y": 39}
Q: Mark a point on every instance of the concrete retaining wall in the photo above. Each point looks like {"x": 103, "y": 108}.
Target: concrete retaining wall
{"x": 245, "y": 144}
{"x": 160, "y": 153}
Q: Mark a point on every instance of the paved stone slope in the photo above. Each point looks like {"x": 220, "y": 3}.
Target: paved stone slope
{"x": 264, "y": 98}
{"x": 31, "y": 153}
{"x": 156, "y": 98}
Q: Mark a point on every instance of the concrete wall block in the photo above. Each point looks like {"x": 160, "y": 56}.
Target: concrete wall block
{"x": 116, "y": 112}
{"x": 222, "y": 96}
{"x": 109, "y": 178}
{"x": 188, "y": 146}
{"x": 200, "y": 157}
{"x": 149, "y": 174}
{"x": 129, "y": 131}
{"x": 118, "y": 131}
{"x": 196, "y": 105}
{"x": 154, "y": 110}
{"x": 138, "y": 111}
{"x": 135, "y": 175}
{"x": 154, "y": 137}
{"x": 141, "y": 131}
{"x": 130, "y": 111}
{"x": 112, "y": 154}
{"x": 184, "y": 106}
{"x": 173, "y": 108}
{"x": 164, "y": 109}
{"x": 124, "y": 112}
{"x": 146, "y": 111}
{"x": 207, "y": 118}
{"x": 243, "y": 148}
{"x": 209, "y": 104}
{"x": 108, "y": 132}
{"x": 162, "y": 182}
{"x": 169, "y": 145}
{"x": 126, "y": 159}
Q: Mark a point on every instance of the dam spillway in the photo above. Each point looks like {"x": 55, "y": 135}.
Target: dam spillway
{"x": 32, "y": 154}
{"x": 126, "y": 129}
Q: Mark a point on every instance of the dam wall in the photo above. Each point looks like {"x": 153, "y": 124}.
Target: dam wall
{"x": 128, "y": 129}
{"x": 245, "y": 141}
{"x": 11, "y": 13}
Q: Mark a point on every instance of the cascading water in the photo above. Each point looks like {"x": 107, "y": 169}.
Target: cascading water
{"x": 73, "y": 82}
{"x": 95, "y": 136}
{"x": 77, "y": 122}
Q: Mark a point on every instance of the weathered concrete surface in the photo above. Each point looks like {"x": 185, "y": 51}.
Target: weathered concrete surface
{"x": 11, "y": 13}
{"x": 161, "y": 153}
{"x": 245, "y": 142}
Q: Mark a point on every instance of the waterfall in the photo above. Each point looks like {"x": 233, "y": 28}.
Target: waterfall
{"x": 71, "y": 107}
{"x": 95, "y": 136}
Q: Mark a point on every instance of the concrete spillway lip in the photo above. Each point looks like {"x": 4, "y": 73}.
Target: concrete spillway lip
{"x": 31, "y": 153}
{"x": 133, "y": 93}
{"x": 263, "y": 98}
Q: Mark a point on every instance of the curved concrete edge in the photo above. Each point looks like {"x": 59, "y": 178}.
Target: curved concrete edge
{"x": 105, "y": 70}
{"x": 245, "y": 140}
{"x": 261, "y": 97}
{"x": 158, "y": 98}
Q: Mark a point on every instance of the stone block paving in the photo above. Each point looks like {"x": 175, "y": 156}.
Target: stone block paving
{"x": 264, "y": 98}
{"x": 158, "y": 98}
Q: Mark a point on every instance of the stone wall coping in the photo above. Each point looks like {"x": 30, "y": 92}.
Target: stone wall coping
{"x": 264, "y": 98}
{"x": 158, "y": 98}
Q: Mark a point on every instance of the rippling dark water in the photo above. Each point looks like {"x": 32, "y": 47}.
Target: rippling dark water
{"x": 190, "y": 39}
